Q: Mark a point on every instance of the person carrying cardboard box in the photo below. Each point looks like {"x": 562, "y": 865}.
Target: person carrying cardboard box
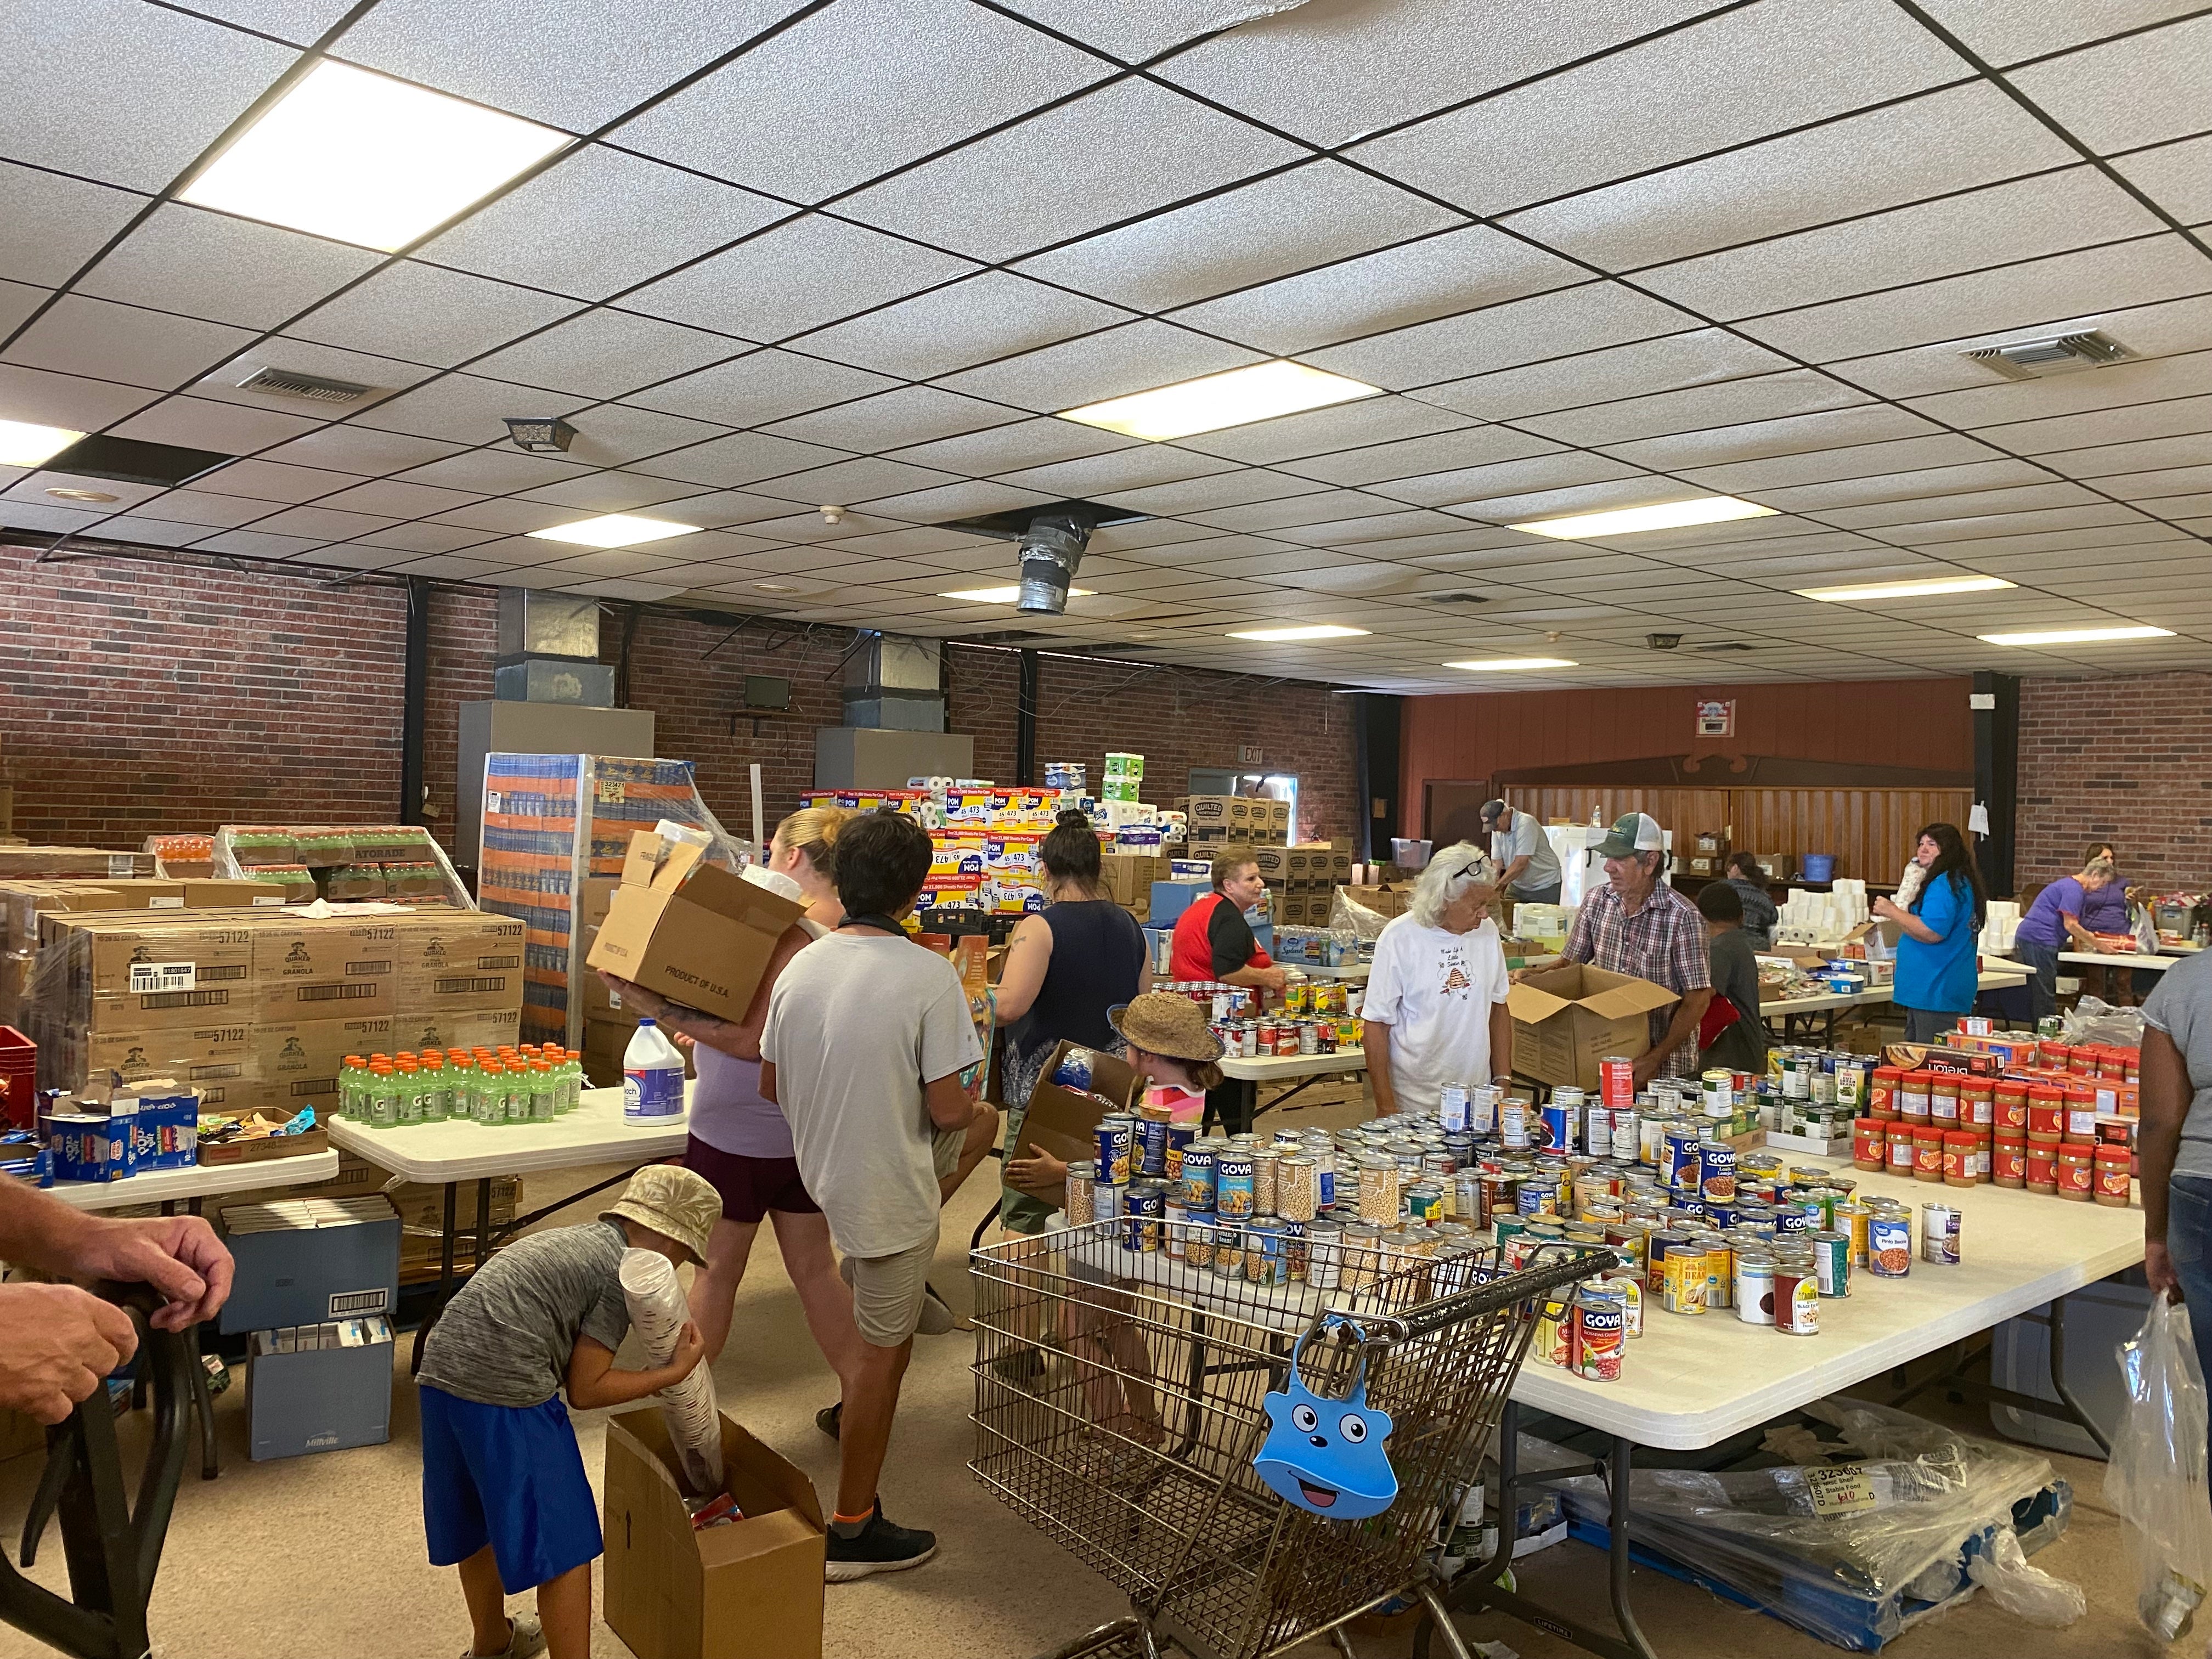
{"x": 505, "y": 1498}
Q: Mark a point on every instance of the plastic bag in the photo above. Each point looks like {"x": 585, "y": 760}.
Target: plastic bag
{"x": 2095, "y": 1020}
{"x": 1353, "y": 923}
{"x": 2155, "y": 1478}
{"x": 2146, "y": 931}
{"x": 2023, "y": 1591}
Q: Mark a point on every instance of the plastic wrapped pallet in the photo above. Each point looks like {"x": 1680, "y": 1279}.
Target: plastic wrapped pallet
{"x": 552, "y": 824}
{"x": 658, "y": 1310}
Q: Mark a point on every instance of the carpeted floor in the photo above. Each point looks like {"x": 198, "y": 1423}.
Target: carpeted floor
{"x": 323, "y": 1556}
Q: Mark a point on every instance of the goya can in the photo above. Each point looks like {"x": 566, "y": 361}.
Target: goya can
{"x": 1939, "y": 1234}
{"x": 1152, "y": 1144}
{"x": 1116, "y": 1136}
{"x": 1197, "y": 1178}
{"x": 1685, "y": 1166}
{"x": 1889, "y": 1245}
{"x": 1180, "y": 1135}
{"x": 1716, "y": 1170}
{"x": 1832, "y": 1263}
{"x": 1232, "y": 1183}
{"x": 1143, "y": 1206}
{"x": 1601, "y": 1336}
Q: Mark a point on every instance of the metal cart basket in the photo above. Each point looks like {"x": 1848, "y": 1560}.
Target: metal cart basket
{"x": 1119, "y": 1405}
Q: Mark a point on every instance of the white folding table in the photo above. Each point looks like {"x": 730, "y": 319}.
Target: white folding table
{"x": 445, "y": 1154}
{"x": 1247, "y": 1074}
{"x": 1692, "y": 1382}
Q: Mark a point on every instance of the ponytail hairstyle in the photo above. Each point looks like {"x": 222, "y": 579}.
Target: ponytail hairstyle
{"x": 1070, "y": 852}
{"x": 813, "y": 830}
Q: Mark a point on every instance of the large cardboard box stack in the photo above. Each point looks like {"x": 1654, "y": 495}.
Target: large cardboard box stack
{"x": 23, "y": 863}
{"x": 1308, "y": 883}
{"x": 1129, "y": 878}
{"x": 258, "y": 1008}
{"x": 22, "y": 902}
{"x": 1567, "y": 1019}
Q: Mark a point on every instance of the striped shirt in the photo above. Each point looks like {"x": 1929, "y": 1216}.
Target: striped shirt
{"x": 1664, "y": 942}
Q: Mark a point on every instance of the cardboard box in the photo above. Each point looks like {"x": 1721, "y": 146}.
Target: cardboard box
{"x": 21, "y": 862}
{"x": 1382, "y": 900}
{"x": 336, "y": 1264}
{"x": 1566, "y": 1019}
{"x": 1274, "y": 863}
{"x": 604, "y": 1040}
{"x": 751, "y": 1589}
{"x": 1060, "y": 1120}
{"x": 1230, "y": 812}
{"x": 1129, "y": 875}
{"x": 697, "y": 934}
{"x": 264, "y": 1149}
{"x": 1339, "y": 865}
{"x": 317, "y": 1400}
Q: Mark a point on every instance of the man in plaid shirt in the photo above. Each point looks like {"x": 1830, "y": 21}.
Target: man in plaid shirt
{"x": 1638, "y": 925}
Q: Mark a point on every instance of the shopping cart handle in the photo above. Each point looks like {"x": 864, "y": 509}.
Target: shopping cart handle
{"x": 113, "y": 1548}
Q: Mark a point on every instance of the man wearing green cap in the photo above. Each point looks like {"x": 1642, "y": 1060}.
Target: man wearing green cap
{"x": 1638, "y": 925}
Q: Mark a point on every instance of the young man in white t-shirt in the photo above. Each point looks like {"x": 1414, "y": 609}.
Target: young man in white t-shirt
{"x": 868, "y": 1034}
{"x": 1435, "y": 1012}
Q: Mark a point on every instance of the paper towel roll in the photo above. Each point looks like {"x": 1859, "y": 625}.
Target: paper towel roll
{"x": 657, "y": 1309}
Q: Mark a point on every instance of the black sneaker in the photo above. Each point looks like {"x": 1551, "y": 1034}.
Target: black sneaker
{"x": 880, "y": 1547}
{"x": 830, "y": 1419}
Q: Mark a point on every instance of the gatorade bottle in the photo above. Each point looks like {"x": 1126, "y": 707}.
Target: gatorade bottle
{"x": 410, "y": 1091}
{"x": 438, "y": 1089}
{"x": 545, "y": 1093}
{"x": 571, "y": 1079}
{"x": 652, "y": 1078}
{"x": 488, "y": 1105}
{"x": 463, "y": 1069}
{"x": 383, "y": 1096}
{"x": 352, "y": 1081}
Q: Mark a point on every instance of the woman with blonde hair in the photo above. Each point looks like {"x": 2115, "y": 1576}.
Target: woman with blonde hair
{"x": 739, "y": 1139}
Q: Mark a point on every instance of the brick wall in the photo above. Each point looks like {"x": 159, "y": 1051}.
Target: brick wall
{"x": 2127, "y": 759}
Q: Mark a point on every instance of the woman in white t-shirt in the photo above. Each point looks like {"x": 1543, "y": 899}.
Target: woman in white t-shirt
{"x": 1435, "y": 1012}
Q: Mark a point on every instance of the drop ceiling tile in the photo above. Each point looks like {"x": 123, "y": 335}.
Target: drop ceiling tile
{"x": 110, "y": 341}
{"x": 1500, "y": 336}
{"x": 2140, "y": 90}
{"x": 227, "y": 270}
{"x": 362, "y": 556}
{"x": 612, "y": 434}
{"x": 2105, "y": 460}
{"x": 513, "y": 516}
{"x": 382, "y": 376}
{"x": 742, "y": 458}
{"x": 1633, "y": 491}
{"x": 799, "y": 275}
{"x": 32, "y": 484}
{"x": 1134, "y": 357}
{"x": 464, "y": 409}
{"x": 272, "y": 481}
{"x": 1330, "y": 73}
{"x": 615, "y": 491}
{"x": 1068, "y": 172}
{"x": 17, "y": 302}
{"x": 201, "y": 423}
{"x": 2178, "y": 177}
{"x": 1396, "y": 288}
{"x": 1854, "y": 461}
{"x": 206, "y": 507}
{"x": 321, "y": 524}
{"x": 1412, "y": 457}
{"x": 1559, "y": 470}
{"x": 555, "y": 231}
{"x": 862, "y": 479}
{"x": 722, "y": 507}
{"x": 446, "y": 568}
{"x": 302, "y": 23}
{"x": 2139, "y": 272}
{"x": 1997, "y": 225}
{"x": 1135, "y": 468}
{"x": 361, "y": 449}
{"x": 2175, "y": 417}
{"x": 1935, "y": 530}
{"x": 894, "y": 419}
{"x": 606, "y": 353}
{"x": 428, "y": 315}
{"x": 493, "y": 472}
{"x": 1731, "y": 403}
{"x": 928, "y": 73}
{"x": 1198, "y": 496}
{"x": 1323, "y": 431}
{"x": 984, "y": 318}
{"x": 145, "y": 90}
{"x": 1035, "y": 442}
{"x": 1756, "y": 440}
{"x": 1375, "y": 527}
{"x": 633, "y": 51}
{"x": 1321, "y": 506}
{"x": 56, "y": 223}
{"x": 392, "y": 498}
{"x": 1732, "y": 78}
{"x": 1698, "y": 357}
{"x": 143, "y": 531}
{"x": 2159, "y": 379}
{"x": 1879, "y": 516}
{"x": 761, "y": 386}
{"x": 2155, "y": 331}
{"x": 253, "y": 544}
{"x": 1825, "y": 498}
{"x": 1311, "y": 216}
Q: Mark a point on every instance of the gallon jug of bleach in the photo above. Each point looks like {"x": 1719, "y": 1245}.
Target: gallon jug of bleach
{"x": 652, "y": 1078}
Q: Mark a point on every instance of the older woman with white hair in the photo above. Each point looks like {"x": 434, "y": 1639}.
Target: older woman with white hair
{"x": 1435, "y": 1012}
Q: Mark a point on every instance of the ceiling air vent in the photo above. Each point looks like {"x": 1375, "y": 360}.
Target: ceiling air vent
{"x": 1456, "y": 599}
{"x": 284, "y": 383}
{"x": 1727, "y": 645}
{"x": 2024, "y": 359}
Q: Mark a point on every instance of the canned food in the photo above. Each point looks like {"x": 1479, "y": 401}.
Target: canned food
{"x": 1294, "y": 1250}
{"x": 1554, "y": 1128}
{"x": 1684, "y": 1169}
{"x": 1616, "y": 1082}
{"x": 1082, "y": 1177}
{"x": 1851, "y": 1221}
{"x": 1627, "y": 1135}
{"x": 1939, "y": 1234}
{"x": 1716, "y": 1170}
{"x": 1196, "y": 1180}
{"x": 1264, "y": 1165}
{"x": 1117, "y": 1141}
{"x": 1600, "y": 1335}
{"x": 1106, "y": 1201}
{"x": 1889, "y": 1245}
{"x": 1513, "y": 1124}
{"x": 1232, "y": 1183}
{"x": 1297, "y": 1188}
{"x": 1378, "y": 1189}
{"x": 1796, "y": 1300}
{"x": 1143, "y": 1206}
{"x": 1228, "y": 1251}
{"x": 1832, "y": 1263}
{"x": 1180, "y": 1135}
{"x": 1324, "y": 1254}
{"x": 1423, "y": 1201}
{"x": 1451, "y": 1107}
{"x": 1719, "y": 1095}
{"x": 1151, "y": 1144}
{"x": 1683, "y": 1281}
{"x": 1537, "y": 1198}
{"x": 1754, "y": 1289}
{"x": 1175, "y": 1230}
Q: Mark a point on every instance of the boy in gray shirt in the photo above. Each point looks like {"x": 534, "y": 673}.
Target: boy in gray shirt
{"x": 505, "y": 1497}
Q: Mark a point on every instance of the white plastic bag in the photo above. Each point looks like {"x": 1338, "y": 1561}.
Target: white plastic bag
{"x": 657, "y": 1309}
{"x": 2021, "y": 1590}
{"x": 2156, "y": 1478}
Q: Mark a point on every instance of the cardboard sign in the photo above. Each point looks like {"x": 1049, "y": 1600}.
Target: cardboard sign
{"x": 1060, "y": 1120}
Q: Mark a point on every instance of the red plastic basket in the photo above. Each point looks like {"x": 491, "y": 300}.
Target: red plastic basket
{"x": 19, "y": 1072}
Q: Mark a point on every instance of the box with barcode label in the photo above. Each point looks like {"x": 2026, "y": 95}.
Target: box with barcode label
{"x": 305, "y": 1260}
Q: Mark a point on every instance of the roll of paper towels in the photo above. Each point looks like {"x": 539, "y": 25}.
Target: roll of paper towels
{"x": 657, "y": 1309}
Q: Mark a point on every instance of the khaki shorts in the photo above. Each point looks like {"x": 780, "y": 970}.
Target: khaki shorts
{"x": 887, "y": 1292}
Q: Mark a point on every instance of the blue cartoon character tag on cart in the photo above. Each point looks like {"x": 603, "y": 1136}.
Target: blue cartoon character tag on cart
{"x": 1326, "y": 1455}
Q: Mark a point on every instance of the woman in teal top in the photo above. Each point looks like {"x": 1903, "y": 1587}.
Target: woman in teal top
{"x": 1938, "y": 959}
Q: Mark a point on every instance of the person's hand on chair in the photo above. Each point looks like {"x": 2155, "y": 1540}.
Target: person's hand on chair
{"x": 179, "y": 1255}
{"x": 57, "y": 1345}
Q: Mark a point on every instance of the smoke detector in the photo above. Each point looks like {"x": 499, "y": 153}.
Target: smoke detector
{"x": 2056, "y": 354}
{"x": 833, "y": 515}
{"x": 285, "y": 383}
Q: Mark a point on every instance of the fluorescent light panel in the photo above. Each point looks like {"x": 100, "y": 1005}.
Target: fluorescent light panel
{"x": 1005, "y": 595}
{"x": 1501, "y": 664}
{"x": 1236, "y": 398}
{"x": 1862, "y": 592}
{"x": 365, "y": 159}
{"x": 1665, "y": 515}
{"x": 22, "y": 444}
{"x": 2076, "y": 636}
{"x": 1312, "y": 631}
{"x": 614, "y": 530}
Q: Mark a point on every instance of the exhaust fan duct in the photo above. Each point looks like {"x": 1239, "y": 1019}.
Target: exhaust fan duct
{"x": 1051, "y": 549}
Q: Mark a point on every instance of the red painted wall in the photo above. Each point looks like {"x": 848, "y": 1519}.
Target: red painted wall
{"x": 1906, "y": 723}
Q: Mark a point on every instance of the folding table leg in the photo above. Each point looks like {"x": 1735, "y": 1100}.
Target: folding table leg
{"x": 445, "y": 1277}
{"x": 2057, "y": 1349}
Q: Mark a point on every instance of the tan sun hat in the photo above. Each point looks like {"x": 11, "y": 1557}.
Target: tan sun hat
{"x": 1161, "y": 1022}
{"x": 671, "y": 1200}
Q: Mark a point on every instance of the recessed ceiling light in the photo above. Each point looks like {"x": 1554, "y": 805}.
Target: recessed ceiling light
{"x": 1666, "y": 515}
{"x": 1006, "y": 595}
{"x": 365, "y": 159}
{"x": 1904, "y": 590}
{"x": 2076, "y": 636}
{"x": 1311, "y": 631}
{"x": 22, "y": 444}
{"x": 1235, "y": 397}
{"x": 614, "y": 530}
{"x": 83, "y": 496}
{"x": 1500, "y": 664}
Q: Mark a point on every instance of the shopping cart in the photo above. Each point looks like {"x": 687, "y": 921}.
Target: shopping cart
{"x": 1120, "y": 1403}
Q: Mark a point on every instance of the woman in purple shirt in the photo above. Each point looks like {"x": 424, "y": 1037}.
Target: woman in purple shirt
{"x": 2052, "y": 924}
{"x": 739, "y": 1140}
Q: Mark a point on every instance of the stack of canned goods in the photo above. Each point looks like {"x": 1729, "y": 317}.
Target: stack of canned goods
{"x": 1312, "y": 1020}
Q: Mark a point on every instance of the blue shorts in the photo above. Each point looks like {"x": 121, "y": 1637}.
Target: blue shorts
{"x": 509, "y": 1476}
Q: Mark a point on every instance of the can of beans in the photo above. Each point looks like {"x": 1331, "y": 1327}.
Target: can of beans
{"x": 1852, "y": 1219}
{"x": 1232, "y": 1183}
{"x": 1684, "y": 1279}
{"x": 1939, "y": 1234}
{"x": 1143, "y": 1206}
{"x": 1424, "y": 1201}
{"x": 1832, "y": 1263}
{"x": 1600, "y": 1335}
{"x": 1116, "y": 1137}
{"x": 1180, "y": 1135}
{"x": 1889, "y": 1245}
{"x": 1716, "y": 1170}
{"x": 1082, "y": 1178}
{"x": 1152, "y": 1142}
{"x": 1324, "y": 1254}
{"x": 1197, "y": 1178}
{"x": 1796, "y": 1300}
{"x": 1513, "y": 1124}
{"x": 1266, "y": 1258}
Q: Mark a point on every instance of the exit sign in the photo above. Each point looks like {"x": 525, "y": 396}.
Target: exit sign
{"x": 1248, "y": 755}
